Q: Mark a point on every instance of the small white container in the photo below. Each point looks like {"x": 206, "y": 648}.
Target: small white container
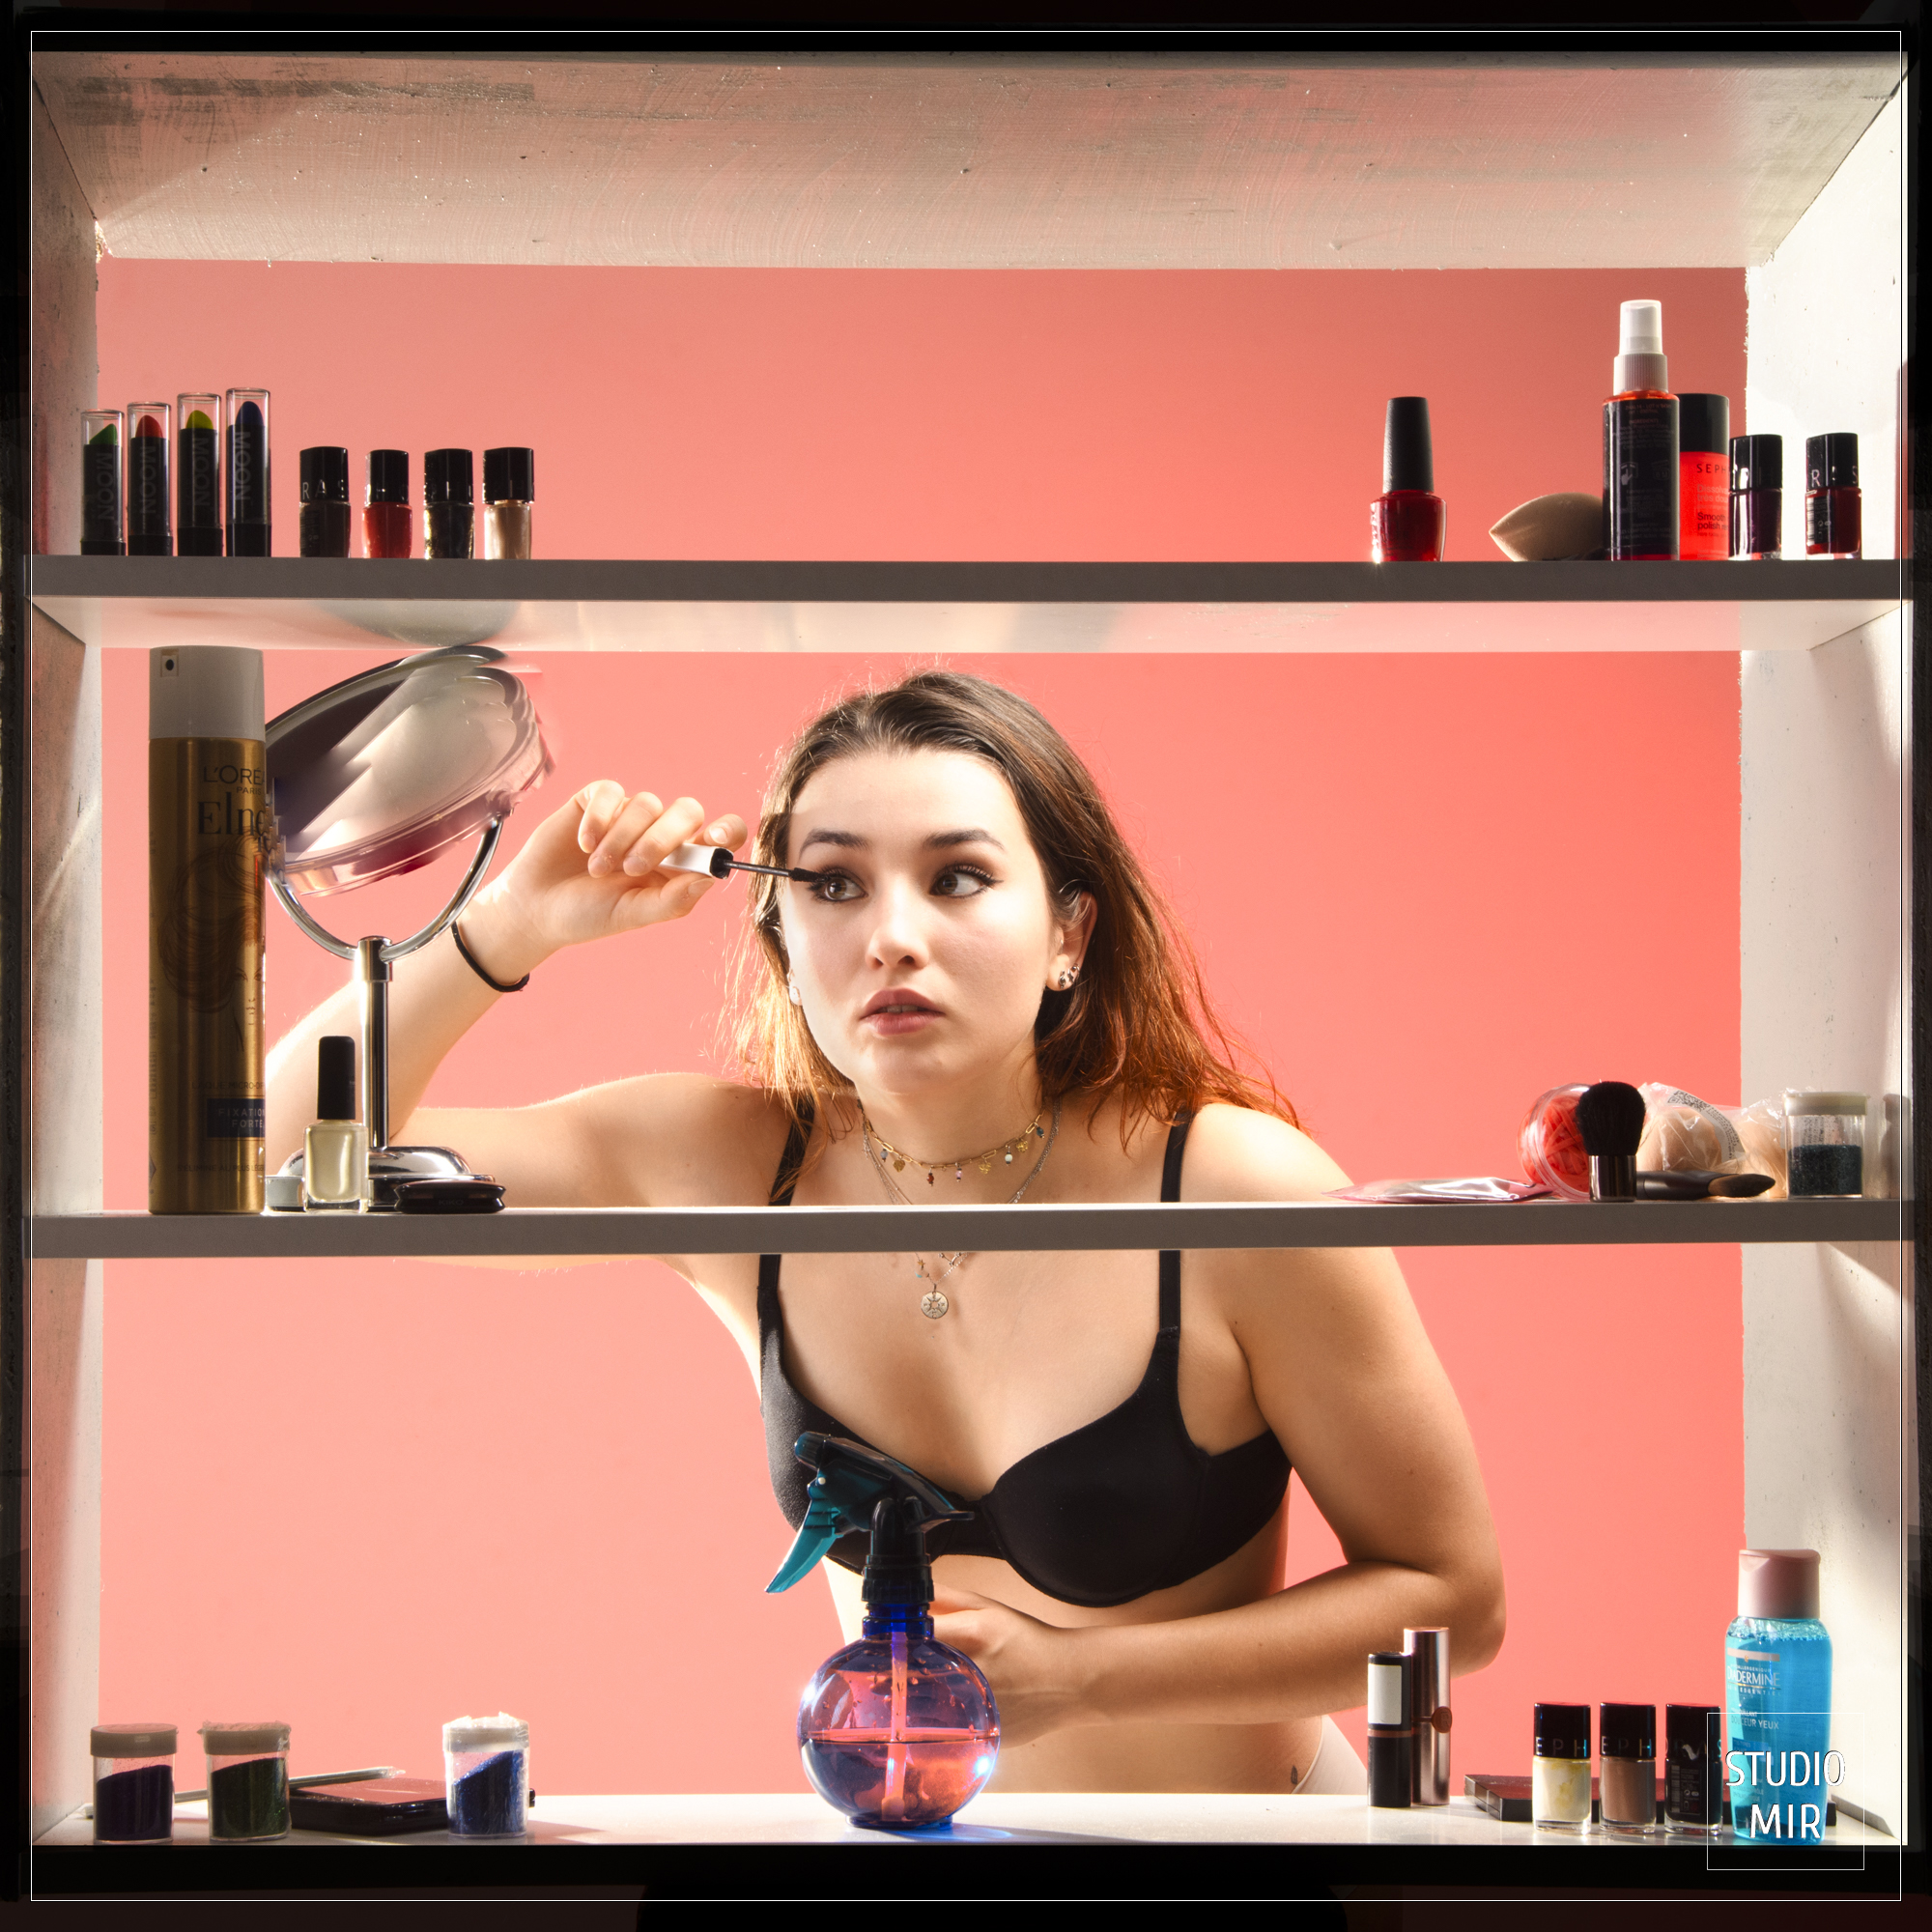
{"x": 486, "y": 1768}
{"x": 248, "y": 1782}
{"x": 133, "y": 1783}
{"x": 1824, "y": 1145}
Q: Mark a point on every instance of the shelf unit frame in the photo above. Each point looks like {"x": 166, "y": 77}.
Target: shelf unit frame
{"x": 50, "y": 1163}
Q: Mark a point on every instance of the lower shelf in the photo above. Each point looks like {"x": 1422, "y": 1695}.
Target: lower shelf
{"x": 579, "y": 1233}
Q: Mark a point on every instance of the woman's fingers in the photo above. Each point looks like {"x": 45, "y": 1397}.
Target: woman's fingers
{"x": 729, "y": 832}
{"x": 600, "y": 803}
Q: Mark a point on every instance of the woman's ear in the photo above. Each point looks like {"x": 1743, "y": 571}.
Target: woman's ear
{"x": 1072, "y": 936}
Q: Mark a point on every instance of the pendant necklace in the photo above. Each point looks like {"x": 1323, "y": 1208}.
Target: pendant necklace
{"x": 934, "y": 1303}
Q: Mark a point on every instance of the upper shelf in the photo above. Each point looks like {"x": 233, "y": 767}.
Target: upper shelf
{"x": 554, "y": 604}
{"x": 584, "y": 1233}
{"x": 1612, "y": 155}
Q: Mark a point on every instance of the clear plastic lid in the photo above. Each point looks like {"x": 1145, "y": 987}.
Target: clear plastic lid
{"x": 503, "y": 1732}
{"x": 131, "y": 1741}
{"x": 375, "y": 775}
{"x": 269, "y": 1734}
{"x": 1800, "y": 1104}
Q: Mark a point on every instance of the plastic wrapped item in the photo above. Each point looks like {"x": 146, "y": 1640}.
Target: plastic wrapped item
{"x": 1551, "y": 1146}
{"x": 1474, "y": 1187}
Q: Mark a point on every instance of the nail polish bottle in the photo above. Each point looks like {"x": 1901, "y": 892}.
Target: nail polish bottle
{"x": 100, "y": 435}
{"x": 1559, "y": 1785}
{"x": 1640, "y": 456}
{"x": 198, "y": 475}
{"x": 1703, "y": 478}
{"x": 1406, "y": 524}
{"x": 898, "y": 1729}
{"x": 1627, "y": 1752}
{"x": 335, "y": 1149}
{"x": 1694, "y": 1770}
{"x": 250, "y": 532}
{"x": 1757, "y": 497}
{"x": 1391, "y": 1730}
{"x": 509, "y": 491}
{"x": 1834, "y": 513}
{"x": 389, "y": 524}
{"x": 325, "y": 502}
{"x": 449, "y": 503}
{"x": 148, "y": 533}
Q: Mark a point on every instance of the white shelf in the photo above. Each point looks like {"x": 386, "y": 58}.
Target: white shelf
{"x": 1313, "y": 151}
{"x": 552, "y": 605}
{"x": 1026, "y": 1228}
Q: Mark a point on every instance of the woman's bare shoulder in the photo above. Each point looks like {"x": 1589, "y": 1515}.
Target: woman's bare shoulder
{"x": 1234, "y": 1153}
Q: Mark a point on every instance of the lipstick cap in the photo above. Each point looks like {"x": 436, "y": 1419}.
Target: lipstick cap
{"x": 1391, "y": 1689}
{"x": 1831, "y": 462}
{"x": 1704, "y": 424}
{"x": 1628, "y": 1730}
{"x": 1408, "y": 459}
{"x": 1563, "y": 1730}
{"x": 325, "y": 475}
{"x": 388, "y": 476}
{"x": 510, "y": 475}
{"x": 449, "y": 476}
{"x": 1757, "y": 463}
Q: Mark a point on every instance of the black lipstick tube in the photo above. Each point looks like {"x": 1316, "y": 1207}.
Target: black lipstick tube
{"x": 1391, "y": 1732}
{"x": 249, "y": 533}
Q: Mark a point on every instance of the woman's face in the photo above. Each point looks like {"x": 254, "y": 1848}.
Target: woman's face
{"x": 922, "y": 955}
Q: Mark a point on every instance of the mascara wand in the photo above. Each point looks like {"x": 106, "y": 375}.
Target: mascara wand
{"x": 1609, "y": 1120}
{"x": 713, "y": 862}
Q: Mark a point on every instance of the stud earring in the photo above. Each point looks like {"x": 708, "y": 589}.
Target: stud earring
{"x": 791, "y": 990}
{"x": 1068, "y": 976}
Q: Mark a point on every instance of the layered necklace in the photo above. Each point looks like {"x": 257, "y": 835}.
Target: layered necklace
{"x": 934, "y": 1303}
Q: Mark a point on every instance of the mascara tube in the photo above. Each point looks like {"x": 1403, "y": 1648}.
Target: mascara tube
{"x": 1391, "y": 1730}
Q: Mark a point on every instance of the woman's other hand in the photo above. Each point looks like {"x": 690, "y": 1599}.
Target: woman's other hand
{"x": 1031, "y": 1665}
{"x": 591, "y": 869}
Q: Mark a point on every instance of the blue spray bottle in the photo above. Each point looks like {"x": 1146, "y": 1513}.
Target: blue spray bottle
{"x": 1777, "y": 1699}
{"x": 898, "y": 1729}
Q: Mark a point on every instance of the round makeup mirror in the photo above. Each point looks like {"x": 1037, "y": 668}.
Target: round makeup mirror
{"x": 373, "y": 778}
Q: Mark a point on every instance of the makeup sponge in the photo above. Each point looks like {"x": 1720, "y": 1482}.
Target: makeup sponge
{"x": 1679, "y": 1137}
{"x": 1549, "y": 528}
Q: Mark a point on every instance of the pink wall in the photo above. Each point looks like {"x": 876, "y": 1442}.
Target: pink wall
{"x": 1416, "y": 969}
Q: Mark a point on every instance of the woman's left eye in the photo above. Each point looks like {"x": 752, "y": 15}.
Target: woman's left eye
{"x": 961, "y": 882}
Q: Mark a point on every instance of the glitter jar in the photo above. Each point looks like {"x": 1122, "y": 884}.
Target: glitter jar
{"x": 1825, "y": 1144}
{"x": 486, "y": 1763}
{"x": 133, "y": 1783}
{"x": 248, "y": 1782}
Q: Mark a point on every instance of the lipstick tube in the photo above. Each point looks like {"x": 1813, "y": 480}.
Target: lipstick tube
{"x": 1391, "y": 1732}
{"x": 100, "y": 434}
{"x": 1430, "y": 1695}
{"x": 198, "y": 423}
{"x": 147, "y": 531}
{"x": 249, "y": 529}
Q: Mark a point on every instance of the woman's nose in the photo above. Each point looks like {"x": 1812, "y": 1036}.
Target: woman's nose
{"x": 898, "y": 935}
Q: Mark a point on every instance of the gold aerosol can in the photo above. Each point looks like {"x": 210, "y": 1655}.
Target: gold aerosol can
{"x": 209, "y": 833}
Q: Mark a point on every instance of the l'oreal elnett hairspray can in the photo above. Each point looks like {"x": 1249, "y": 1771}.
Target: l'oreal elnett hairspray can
{"x": 208, "y": 826}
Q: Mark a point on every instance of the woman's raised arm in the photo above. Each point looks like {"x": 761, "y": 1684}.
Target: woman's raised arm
{"x": 589, "y": 871}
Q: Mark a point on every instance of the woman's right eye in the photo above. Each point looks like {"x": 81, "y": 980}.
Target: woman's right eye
{"x": 835, "y": 888}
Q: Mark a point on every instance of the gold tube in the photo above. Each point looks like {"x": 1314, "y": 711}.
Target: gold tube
{"x": 207, "y": 821}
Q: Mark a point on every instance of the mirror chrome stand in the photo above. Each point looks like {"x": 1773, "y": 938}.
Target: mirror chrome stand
{"x": 375, "y": 958}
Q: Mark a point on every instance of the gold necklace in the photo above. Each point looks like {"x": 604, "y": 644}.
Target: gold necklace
{"x": 934, "y": 1303}
{"x": 1002, "y": 1149}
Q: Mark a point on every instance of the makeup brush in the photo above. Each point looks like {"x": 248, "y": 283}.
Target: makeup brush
{"x": 1609, "y": 1121}
{"x": 714, "y": 862}
{"x": 1696, "y": 1183}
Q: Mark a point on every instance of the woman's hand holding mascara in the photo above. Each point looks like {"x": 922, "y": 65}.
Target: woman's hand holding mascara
{"x": 591, "y": 869}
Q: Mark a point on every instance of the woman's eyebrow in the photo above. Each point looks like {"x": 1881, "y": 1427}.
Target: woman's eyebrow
{"x": 973, "y": 836}
{"x": 939, "y": 841}
{"x": 848, "y": 841}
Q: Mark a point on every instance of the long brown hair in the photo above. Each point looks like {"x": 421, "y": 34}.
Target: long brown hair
{"x": 1137, "y": 1026}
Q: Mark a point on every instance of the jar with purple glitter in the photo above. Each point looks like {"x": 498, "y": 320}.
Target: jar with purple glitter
{"x": 1825, "y": 1144}
{"x": 486, "y": 1761}
{"x": 133, "y": 1783}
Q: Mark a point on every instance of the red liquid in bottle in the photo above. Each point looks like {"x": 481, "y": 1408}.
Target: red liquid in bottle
{"x": 388, "y": 530}
{"x": 1407, "y": 527}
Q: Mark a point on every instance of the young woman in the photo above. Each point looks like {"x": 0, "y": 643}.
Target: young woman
{"x": 979, "y": 997}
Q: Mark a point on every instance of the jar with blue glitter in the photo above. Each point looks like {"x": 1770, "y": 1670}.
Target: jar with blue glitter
{"x": 485, "y": 1764}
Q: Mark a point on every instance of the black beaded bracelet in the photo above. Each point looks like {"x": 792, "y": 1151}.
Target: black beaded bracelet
{"x": 476, "y": 966}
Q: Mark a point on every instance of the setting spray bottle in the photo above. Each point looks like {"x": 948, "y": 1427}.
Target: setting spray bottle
{"x": 1777, "y": 1701}
{"x": 898, "y": 1729}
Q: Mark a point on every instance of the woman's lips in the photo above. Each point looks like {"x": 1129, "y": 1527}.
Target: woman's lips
{"x": 897, "y": 1018}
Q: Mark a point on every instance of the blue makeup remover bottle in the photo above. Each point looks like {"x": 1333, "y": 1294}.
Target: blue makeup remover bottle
{"x": 899, "y": 1729}
{"x": 1777, "y": 1701}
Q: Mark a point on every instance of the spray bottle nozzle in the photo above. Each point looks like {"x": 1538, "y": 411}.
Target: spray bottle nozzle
{"x": 858, "y": 1489}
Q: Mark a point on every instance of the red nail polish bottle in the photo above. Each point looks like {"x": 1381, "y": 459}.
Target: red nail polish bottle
{"x": 1703, "y": 478}
{"x": 1833, "y": 511}
{"x": 387, "y": 521}
{"x": 1406, "y": 524}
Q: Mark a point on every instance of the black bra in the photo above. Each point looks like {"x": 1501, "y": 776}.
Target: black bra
{"x": 1127, "y": 1505}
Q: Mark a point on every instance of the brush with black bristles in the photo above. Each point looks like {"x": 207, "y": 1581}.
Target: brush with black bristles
{"x": 1610, "y": 1119}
